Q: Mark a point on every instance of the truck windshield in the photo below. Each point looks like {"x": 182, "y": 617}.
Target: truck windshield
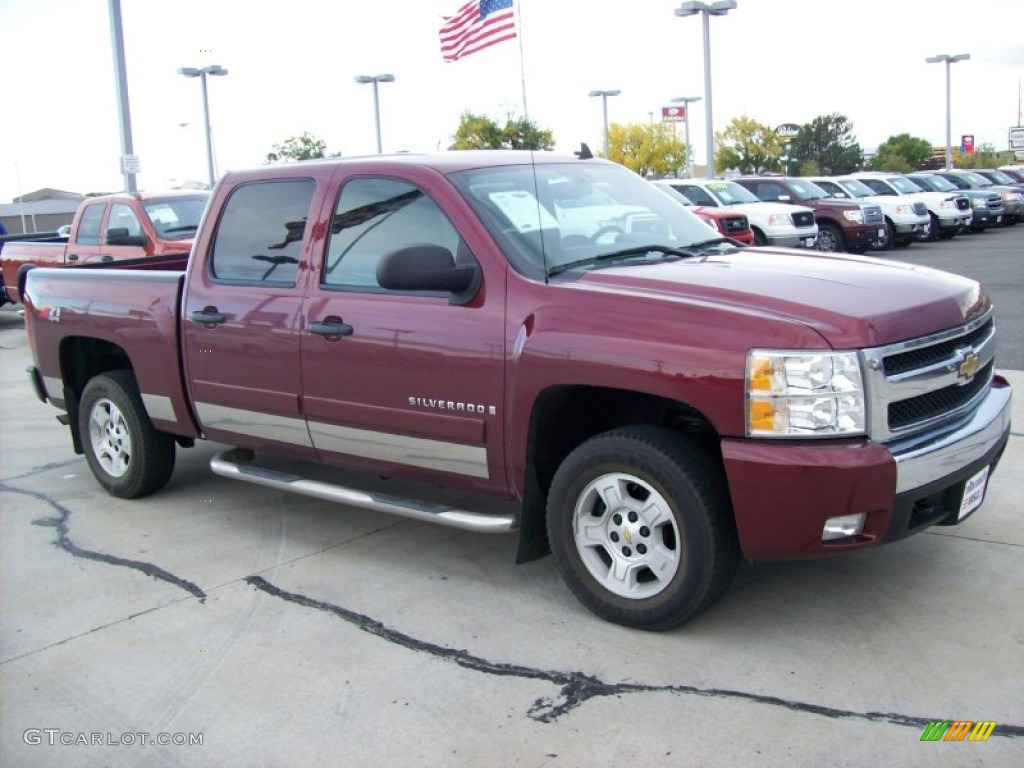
{"x": 808, "y": 190}
{"x": 548, "y": 215}
{"x": 934, "y": 183}
{"x": 902, "y": 185}
{"x": 730, "y": 193}
{"x": 857, "y": 188}
{"x": 176, "y": 218}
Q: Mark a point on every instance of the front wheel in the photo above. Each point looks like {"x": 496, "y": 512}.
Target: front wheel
{"x": 126, "y": 453}
{"x": 830, "y": 239}
{"x": 641, "y": 527}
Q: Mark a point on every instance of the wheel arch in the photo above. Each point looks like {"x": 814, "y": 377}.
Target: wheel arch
{"x": 81, "y": 359}
{"x": 565, "y": 416}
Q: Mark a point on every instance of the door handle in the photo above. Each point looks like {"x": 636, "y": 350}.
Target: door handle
{"x": 73, "y": 257}
{"x": 108, "y": 257}
{"x": 331, "y": 327}
{"x": 208, "y": 316}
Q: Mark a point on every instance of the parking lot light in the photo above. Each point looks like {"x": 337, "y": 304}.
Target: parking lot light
{"x": 949, "y": 60}
{"x": 716, "y": 8}
{"x": 215, "y": 70}
{"x": 373, "y": 80}
{"x": 604, "y": 100}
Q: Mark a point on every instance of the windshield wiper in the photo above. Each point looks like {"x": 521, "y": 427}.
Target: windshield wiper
{"x": 184, "y": 228}
{"x": 715, "y": 241}
{"x": 625, "y": 253}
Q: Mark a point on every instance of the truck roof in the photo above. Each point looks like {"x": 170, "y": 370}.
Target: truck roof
{"x": 444, "y": 162}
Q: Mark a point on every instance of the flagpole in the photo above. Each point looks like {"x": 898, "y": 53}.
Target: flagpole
{"x": 522, "y": 65}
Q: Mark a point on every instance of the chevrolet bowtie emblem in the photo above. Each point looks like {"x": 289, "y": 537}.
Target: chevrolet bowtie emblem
{"x": 969, "y": 366}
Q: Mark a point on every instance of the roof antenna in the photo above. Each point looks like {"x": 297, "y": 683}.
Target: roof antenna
{"x": 584, "y": 153}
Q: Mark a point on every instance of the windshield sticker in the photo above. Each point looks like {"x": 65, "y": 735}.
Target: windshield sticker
{"x": 523, "y": 210}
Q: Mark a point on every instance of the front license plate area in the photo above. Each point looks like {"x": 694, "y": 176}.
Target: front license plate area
{"x": 974, "y": 494}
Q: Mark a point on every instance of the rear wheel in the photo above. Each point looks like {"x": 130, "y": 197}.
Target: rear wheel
{"x": 126, "y": 453}
{"x": 641, "y": 527}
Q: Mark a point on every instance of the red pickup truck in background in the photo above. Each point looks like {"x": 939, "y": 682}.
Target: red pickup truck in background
{"x": 109, "y": 228}
{"x": 596, "y": 371}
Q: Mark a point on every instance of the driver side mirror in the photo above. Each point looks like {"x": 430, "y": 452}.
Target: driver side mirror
{"x": 120, "y": 236}
{"x": 426, "y": 267}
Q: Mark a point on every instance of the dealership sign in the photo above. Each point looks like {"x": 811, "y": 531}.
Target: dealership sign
{"x": 1017, "y": 137}
{"x": 787, "y": 130}
{"x": 673, "y": 114}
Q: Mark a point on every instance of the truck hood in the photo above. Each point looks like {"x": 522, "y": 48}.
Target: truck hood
{"x": 851, "y": 301}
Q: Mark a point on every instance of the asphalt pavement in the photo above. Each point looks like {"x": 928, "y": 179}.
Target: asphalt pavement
{"x": 284, "y": 631}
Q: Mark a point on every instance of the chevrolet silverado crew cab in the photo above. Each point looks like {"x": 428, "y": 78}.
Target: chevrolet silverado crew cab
{"x": 478, "y": 339}
{"x": 780, "y": 224}
{"x": 110, "y": 228}
{"x": 842, "y": 225}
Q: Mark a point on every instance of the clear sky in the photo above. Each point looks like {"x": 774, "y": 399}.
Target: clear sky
{"x": 292, "y": 66}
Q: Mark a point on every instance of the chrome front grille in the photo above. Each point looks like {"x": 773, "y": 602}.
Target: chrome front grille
{"x": 922, "y": 383}
{"x": 872, "y": 214}
{"x": 963, "y": 203}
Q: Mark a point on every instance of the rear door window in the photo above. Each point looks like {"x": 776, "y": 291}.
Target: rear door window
{"x": 89, "y": 224}
{"x": 261, "y": 231}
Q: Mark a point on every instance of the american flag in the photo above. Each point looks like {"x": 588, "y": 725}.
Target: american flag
{"x": 477, "y": 25}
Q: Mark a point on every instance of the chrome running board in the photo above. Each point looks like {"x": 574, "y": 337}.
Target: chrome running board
{"x": 235, "y": 463}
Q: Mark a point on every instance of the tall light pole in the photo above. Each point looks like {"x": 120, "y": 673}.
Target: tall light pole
{"x": 374, "y": 79}
{"x": 604, "y": 103}
{"x": 686, "y": 101}
{"x": 717, "y": 8}
{"x": 949, "y": 60}
{"x": 216, "y": 70}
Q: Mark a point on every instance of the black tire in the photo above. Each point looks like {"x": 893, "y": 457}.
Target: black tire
{"x": 890, "y": 237}
{"x": 669, "y": 509}
{"x": 759, "y": 238}
{"x": 830, "y": 239}
{"x": 126, "y": 454}
{"x": 933, "y": 229}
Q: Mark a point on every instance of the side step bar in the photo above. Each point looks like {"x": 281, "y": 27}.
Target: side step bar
{"x": 234, "y": 463}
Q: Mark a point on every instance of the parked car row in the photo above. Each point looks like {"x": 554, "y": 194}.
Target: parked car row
{"x": 861, "y": 211}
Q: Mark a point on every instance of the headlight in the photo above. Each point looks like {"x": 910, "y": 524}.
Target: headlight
{"x": 780, "y": 220}
{"x": 977, "y": 202}
{"x": 804, "y": 394}
{"x": 948, "y": 204}
{"x": 904, "y": 210}
{"x": 856, "y": 216}
{"x": 1010, "y": 196}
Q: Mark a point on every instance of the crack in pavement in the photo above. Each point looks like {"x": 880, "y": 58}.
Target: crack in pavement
{"x": 64, "y": 542}
{"x": 40, "y": 469}
{"x": 576, "y": 687}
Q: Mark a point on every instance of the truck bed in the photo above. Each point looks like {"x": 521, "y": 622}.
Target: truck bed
{"x": 129, "y": 313}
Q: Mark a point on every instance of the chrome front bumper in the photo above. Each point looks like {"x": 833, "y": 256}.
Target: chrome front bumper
{"x": 927, "y": 458}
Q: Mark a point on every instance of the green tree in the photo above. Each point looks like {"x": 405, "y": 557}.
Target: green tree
{"x": 749, "y": 147}
{"x": 902, "y": 153}
{"x": 647, "y": 148}
{"x": 482, "y": 132}
{"x": 305, "y": 146}
{"x": 829, "y": 141}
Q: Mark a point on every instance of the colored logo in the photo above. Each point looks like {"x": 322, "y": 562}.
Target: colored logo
{"x": 969, "y": 366}
{"x": 958, "y": 730}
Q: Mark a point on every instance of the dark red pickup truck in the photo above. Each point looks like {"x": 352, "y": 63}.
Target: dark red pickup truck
{"x": 556, "y": 336}
{"x": 109, "y": 228}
